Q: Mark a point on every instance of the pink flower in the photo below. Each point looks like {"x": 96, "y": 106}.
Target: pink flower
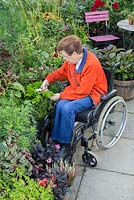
{"x": 53, "y": 178}
{"x": 115, "y": 5}
{"x": 49, "y": 160}
{"x": 57, "y": 146}
{"x": 9, "y": 72}
{"x": 67, "y": 27}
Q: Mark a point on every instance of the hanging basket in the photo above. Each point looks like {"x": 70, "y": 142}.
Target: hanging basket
{"x": 125, "y": 89}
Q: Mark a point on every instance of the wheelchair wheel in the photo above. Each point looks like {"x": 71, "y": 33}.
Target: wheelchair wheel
{"x": 111, "y": 123}
{"x": 89, "y": 159}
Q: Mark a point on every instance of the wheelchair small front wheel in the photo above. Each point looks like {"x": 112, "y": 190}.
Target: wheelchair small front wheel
{"x": 89, "y": 159}
{"x": 111, "y": 123}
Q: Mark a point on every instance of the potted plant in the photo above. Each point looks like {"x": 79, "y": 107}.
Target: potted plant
{"x": 131, "y": 18}
{"x": 124, "y": 74}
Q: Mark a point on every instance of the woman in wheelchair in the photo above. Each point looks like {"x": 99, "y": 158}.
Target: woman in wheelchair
{"x": 87, "y": 83}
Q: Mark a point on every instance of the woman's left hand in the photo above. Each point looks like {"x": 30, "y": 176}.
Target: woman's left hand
{"x": 55, "y": 97}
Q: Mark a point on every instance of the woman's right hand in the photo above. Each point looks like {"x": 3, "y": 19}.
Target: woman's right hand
{"x": 44, "y": 85}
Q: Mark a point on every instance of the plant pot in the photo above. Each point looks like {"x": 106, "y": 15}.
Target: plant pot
{"x": 131, "y": 21}
{"x": 125, "y": 89}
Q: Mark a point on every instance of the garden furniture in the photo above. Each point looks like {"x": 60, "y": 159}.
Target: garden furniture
{"x": 124, "y": 24}
{"x": 100, "y": 16}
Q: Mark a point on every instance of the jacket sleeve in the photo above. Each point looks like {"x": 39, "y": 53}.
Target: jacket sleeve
{"x": 58, "y": 75}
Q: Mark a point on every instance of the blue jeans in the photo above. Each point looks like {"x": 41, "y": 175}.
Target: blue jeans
{"x": 65, "y": 118}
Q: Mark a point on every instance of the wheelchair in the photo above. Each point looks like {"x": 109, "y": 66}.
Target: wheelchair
{"x": 104, "y": 123}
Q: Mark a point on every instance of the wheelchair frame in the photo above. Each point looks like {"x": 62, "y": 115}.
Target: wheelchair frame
{"x": 109, "y": 113}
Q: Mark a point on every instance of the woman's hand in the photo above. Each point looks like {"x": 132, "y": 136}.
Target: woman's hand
{"x": 44, "y": 86}
{"x": 55, "y": 97}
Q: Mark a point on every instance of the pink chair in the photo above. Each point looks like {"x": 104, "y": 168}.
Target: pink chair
{"x": 100, "y": 16}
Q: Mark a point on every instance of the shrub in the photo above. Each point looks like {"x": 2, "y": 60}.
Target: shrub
{"x": 18, "y": 186}
{"x": 112, "y": 55}
{"x": 18, "y": 119}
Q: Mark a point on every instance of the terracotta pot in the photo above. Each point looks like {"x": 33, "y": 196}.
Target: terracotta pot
{"x": 125, "y": 89}
{"x": 131, "y": 21}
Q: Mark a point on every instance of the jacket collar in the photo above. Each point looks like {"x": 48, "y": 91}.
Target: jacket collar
{"x": 85, "y": 54}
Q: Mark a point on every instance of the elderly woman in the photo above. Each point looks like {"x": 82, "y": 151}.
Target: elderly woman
{"x": 87, "y": 82}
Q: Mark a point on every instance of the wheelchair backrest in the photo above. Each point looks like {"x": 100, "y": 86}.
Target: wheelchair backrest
{"x": 109, "y": 77}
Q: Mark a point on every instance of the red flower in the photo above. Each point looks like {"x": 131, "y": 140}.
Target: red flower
{"x": 55, "y": 55}
{"x": 93, "y": 8}
{"x": 97, "y": 3}
{"x": 103, "y": 3}
{"x": 115, "y": 5}
{"x": 43, "y": 182}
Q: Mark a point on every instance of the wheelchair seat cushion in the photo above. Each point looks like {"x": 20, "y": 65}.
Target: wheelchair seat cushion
{"x": 84, "y": 116}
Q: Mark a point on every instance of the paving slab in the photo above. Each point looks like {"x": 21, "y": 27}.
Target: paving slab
{"x": 113, "y": 173}
{"x": 129, "y": 129}
{"x": 119, "y": 158}
{"x": 77, "y": 183}
{"x": 106, "y": 185}
{"x": 130, "y": 105}
{"x": 113, "y": 177}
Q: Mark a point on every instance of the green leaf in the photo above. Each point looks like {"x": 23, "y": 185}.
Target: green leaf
{"x": 3, "y": 148}
{"x": 17, "y": 86}
{"x": 48, "y": 93}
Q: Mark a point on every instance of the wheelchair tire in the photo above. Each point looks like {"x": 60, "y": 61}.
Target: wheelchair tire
{"x": 111, "y": 122}
{"x": 89, "y": 159}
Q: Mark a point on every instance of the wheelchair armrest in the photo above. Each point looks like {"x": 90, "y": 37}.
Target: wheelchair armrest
{"x": 108, "y": 95}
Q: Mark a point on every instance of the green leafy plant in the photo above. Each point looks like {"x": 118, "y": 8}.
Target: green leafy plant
{"x": 18, "y": 119}
{"x": 12, "y": 156}
{"x": 7, "y": 78}
{"x": 40, "y": 100}
{"x": 112, "y": 55}
{"x": 18, "y": 186}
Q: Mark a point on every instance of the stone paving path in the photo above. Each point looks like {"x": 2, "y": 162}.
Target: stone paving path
{"x": 113, "y": 177}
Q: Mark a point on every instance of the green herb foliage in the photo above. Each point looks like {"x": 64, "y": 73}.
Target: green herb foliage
{"x": 18, "y": 119}
{"x": 39, "y": 100}
{"x": 18, "y": 186}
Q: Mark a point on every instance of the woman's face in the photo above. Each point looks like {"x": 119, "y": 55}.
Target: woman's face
{"x": 72, "y": 59}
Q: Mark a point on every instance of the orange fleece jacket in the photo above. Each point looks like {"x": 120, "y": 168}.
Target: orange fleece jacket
{"x": 91, "y": 81}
